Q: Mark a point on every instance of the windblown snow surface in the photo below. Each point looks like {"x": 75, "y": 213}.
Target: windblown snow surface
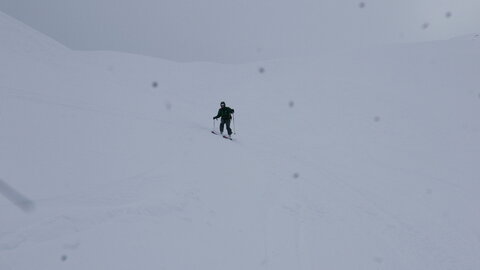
{"x": 365, "y": 159}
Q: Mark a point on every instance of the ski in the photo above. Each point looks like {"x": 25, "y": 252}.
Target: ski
{"x": 224, "y": 136}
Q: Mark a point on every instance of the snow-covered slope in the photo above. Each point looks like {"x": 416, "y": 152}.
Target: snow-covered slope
{"x": 365, "y": 160}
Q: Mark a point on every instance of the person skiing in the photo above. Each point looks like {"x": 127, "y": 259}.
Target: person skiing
{"x": 225, "y": 113}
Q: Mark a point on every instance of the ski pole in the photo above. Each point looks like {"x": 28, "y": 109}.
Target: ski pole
{"x": 233, "y": 118}
{"x": 213, "y": 125}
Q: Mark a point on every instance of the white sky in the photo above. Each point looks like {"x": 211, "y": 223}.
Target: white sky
{"x": 241, "y": 30}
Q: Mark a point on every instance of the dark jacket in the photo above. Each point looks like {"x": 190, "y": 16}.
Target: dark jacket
{"x": 224, "y": 113}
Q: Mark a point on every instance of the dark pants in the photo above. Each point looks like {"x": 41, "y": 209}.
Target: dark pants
{"x": 225, "y": 122}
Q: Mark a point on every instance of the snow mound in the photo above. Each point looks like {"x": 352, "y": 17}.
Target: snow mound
{"x": 19, "y": 38}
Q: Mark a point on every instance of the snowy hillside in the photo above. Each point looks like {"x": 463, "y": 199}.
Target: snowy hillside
{"x": 361, "y": 160}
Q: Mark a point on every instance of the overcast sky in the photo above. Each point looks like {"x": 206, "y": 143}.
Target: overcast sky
{"x": 242, "y": 30}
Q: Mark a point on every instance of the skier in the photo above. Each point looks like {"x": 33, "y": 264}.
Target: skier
{"x": 226, "y": 115}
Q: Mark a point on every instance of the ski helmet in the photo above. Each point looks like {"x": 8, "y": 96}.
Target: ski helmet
{"x": 222, "y": 103}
